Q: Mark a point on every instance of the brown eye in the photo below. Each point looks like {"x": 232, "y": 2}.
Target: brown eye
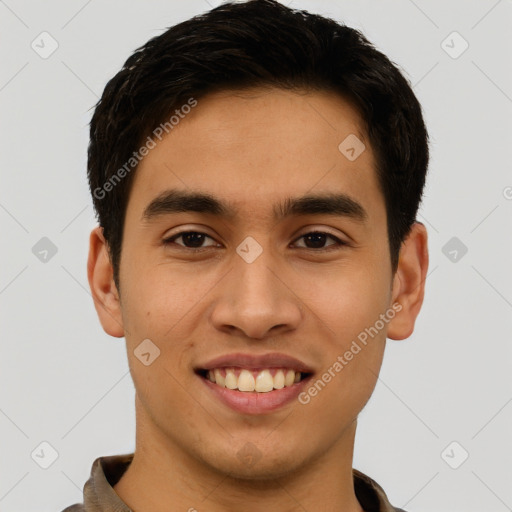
{"x": 190, "y": 239}
{"x": 317, "y": 239}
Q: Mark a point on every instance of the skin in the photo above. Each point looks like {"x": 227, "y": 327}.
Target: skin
{"x": 253, "y": 148}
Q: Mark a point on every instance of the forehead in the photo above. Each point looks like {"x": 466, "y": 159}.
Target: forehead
{"x": 258, "y": 146}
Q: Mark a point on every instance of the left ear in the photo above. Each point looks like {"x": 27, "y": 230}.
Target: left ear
{"x": 409, "y": 282}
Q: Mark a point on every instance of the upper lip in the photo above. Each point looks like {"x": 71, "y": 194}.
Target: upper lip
{"x": 251, "y": 361}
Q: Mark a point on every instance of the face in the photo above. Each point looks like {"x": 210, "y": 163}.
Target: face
{"x": 249, "y": 271}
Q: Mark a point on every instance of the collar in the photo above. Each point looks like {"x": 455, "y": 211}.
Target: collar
{"x": 99, "y": 494}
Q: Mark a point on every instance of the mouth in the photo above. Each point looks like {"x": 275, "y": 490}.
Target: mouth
{"x": 253, "y": 380}
{"x": 254, "y": 384}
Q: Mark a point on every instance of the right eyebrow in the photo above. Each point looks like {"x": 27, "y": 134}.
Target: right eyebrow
{"x": 175, "y": 201}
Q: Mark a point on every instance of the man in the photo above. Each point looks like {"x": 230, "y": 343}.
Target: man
{"x": 256, "y": 172}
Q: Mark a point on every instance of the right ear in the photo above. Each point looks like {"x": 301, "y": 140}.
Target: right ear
{"x": 104, "y": 292}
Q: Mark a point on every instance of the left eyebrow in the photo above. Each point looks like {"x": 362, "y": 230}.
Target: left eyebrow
{"x": 321, "y": 204}
{"x": 175, "y": 201}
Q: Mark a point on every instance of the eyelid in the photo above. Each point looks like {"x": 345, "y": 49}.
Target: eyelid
{"x": 204, "y": 230}
{"x": 323, "y": 230}
{"x": 168, "y": 239}
{"x": 339, "y": 240}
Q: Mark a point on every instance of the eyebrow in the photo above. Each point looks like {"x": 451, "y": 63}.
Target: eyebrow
{"x": 176, "y": 201}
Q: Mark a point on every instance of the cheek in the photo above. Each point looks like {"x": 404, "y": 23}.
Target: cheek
{"x": 348, "y": 304}
{"x": 157, "y": 304}
{"x": 156, "y": 299}
{"x": 347, "y": 300}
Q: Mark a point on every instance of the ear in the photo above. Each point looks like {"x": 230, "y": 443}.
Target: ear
{"x": 101, "y": 281}
{"x": 409, "y": 282}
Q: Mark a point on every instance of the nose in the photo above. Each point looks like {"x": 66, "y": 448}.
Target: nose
{"x": 256, "y": 300}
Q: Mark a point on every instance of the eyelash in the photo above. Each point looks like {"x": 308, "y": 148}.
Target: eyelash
{"x": 339, "y": 243}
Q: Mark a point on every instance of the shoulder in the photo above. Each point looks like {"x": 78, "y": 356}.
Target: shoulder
{"x": 371, "y": 495}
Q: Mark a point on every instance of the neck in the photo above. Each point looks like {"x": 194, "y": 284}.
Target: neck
{"x": 163, "y": 476}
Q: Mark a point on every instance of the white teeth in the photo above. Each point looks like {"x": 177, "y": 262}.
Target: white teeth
{"x": 264, "y": 382}
{"x": 231, "y": 380}
{"x": 289, "y": 378}
{"x": 248, "y": 380}
{"x": 221, "y": 381}
{"x": 279, "y": 380}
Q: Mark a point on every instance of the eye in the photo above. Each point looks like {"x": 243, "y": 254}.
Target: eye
{"x": 316, "y": 240}
{"x": 191, "y": 239}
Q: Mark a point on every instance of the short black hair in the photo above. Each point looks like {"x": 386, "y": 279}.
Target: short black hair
{"x": 238, "y": 46}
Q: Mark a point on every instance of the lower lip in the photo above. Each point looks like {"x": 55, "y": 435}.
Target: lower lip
{"x": 250, "y": 402}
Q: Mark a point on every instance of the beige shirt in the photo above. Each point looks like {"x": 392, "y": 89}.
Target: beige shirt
{"x": 99, "y": 495}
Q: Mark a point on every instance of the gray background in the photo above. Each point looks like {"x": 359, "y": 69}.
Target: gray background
{"x": 66, "y": 382}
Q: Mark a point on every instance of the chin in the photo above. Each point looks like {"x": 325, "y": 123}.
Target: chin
{"x": 253, "y": 464}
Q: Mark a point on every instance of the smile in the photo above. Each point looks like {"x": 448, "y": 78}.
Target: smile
{"x": 261, "y": 380}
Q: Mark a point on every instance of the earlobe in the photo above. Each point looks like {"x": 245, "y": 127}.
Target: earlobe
{"x": 101, "y": 281}
{"x": 409, "y": 282}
